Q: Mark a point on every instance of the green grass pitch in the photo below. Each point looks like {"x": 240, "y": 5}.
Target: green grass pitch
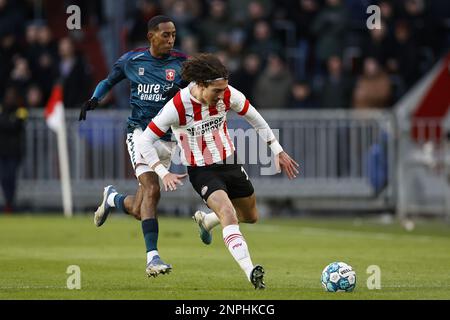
{"x": 35, "y": 252}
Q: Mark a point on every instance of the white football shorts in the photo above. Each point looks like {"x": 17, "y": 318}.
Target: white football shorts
{"x": 165, "y": 150}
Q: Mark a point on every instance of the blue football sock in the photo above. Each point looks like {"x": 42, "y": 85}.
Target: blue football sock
{"x": 119, "y": 202}
{"x": 150, "y": 230}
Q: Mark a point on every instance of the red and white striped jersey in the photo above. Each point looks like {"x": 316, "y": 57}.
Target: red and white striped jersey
{"x": 200, "y": 130}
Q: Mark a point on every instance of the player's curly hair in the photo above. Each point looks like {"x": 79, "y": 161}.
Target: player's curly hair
{"x": 203, "y": 68}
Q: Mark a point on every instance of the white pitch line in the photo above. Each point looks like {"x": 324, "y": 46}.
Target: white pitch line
{"x": 31, "y": 287}
{"x": 344, "y": 233}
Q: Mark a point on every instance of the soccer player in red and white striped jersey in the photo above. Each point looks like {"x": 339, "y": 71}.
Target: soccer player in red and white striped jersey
{"x": 197, "y": 117}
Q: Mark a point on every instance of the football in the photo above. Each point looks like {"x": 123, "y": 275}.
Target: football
{"x": 338, "y": 276}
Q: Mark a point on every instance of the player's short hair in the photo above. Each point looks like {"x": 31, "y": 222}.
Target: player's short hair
{"x": 154, "y": 22}
{"x": 203, "y": 68}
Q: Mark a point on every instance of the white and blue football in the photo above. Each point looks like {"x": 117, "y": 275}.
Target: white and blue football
{"x": 338, "y": 276}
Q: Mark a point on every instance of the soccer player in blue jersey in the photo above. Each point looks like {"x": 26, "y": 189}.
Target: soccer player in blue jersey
{"x": 155, "y": 76}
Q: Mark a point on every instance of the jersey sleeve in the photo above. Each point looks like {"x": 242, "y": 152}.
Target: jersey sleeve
{"x": 159, "y": 125}
{"x": 242, "y": 106}
{"x": 238, "y": 101}
{"x": 167, "y": 117}
{"x": 116, "y": 75}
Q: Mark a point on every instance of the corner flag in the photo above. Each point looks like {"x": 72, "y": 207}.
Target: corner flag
{"x": 54, "y": 111}
{"x": 54, "y": 116}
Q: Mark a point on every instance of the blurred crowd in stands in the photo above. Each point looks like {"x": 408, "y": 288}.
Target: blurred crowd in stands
{"x": 282, "y": 54}
{"x": 304, "y": 54}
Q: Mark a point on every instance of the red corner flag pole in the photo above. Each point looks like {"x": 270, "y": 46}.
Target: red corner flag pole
{"x": 54, "y": 116}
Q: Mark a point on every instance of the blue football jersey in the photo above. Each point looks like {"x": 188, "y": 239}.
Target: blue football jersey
{"x": 149, "y": 78}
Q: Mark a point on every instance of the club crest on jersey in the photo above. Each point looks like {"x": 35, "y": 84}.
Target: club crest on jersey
{"x": 141, "y": 71}
{"x": 170, "y": 74}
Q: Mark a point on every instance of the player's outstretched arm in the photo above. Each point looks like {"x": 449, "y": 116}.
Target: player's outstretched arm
{"x": 171, "y": 180}
{"x": 242, "y": 106}
{"x": 91, "y": 104}
{"x": 100, "y": 91}
{"x": 145, "y": 145}
{"x": 285, "y": 163}
{"x": 116, "y": 75}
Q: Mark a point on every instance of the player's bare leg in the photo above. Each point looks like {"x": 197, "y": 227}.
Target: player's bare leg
{"x": 112, "y": 199}
{"x": 150, "y": 198}
{"x": 245, "y": 209}
{"x": 133, "y": 204}
{"x": 219, "y": 202}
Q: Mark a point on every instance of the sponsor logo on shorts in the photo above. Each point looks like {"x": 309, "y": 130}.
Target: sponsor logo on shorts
{"x": 204, "y": 190}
